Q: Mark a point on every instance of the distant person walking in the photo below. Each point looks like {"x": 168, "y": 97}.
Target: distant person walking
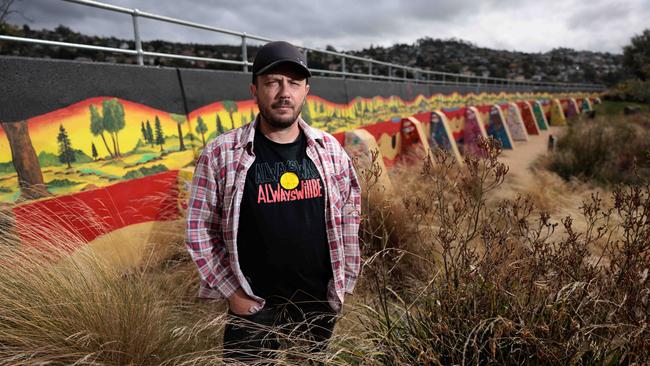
{"x": 273, "y": 217}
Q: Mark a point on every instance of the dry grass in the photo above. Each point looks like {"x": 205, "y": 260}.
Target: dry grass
{"x": 456, "y": 271}
{"x": 483, "y": 281}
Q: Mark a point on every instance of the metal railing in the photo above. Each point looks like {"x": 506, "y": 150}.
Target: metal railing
{"x": 410, "y": 74}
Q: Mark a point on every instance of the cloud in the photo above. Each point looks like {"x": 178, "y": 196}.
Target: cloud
{"x": 528, "y": 25}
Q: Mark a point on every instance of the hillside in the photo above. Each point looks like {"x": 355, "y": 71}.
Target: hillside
{"x": 457, "y": 56}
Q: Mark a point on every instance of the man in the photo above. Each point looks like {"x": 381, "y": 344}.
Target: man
{"x": 273, "y": 217}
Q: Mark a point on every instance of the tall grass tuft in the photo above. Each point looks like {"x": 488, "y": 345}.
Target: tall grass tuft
{"x": 605, "y": 150}
{"x": 76, "y": 307}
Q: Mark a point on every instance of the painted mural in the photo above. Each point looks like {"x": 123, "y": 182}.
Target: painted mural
{"x": 498, "y": 129}
{"x": 586, "y": 105}
{"x": 101, "y": 141}
{"x": 515, "y": 123}
{"x": 540, "y": 116}
{"x": 96, "y": 143}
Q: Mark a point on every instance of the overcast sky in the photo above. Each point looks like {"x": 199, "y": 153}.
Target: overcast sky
{"x": 526, "y": 25}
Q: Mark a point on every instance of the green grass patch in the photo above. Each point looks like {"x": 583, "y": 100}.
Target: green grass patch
{"x": 62, "y": 183}
{"x": 144, "y": 171}
{"x": 609, "y": 107}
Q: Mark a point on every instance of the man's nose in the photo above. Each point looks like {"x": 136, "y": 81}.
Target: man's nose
{"x": 284, "y": 89}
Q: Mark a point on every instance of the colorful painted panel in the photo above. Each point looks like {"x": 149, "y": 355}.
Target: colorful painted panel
{"x": 586, "y": 105}
{"x": 440, "y": 134}
{"x": 528, "y": 118}
{"x": 515, "y": 124}
{"x": 557, "y": 114}
{"x": 473, "y": 132}
{"x": 498, "y": 129}
{"x": 540, "y": 117}
{"x": 572, "y": 108}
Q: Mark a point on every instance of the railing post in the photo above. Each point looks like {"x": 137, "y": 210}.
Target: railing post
{"x": 136, "y": 35}
{"x": 390, "y": 72}
{"x": 343, "y": 66}
{"x": 404, "y": 73}
{"x": 370, "y": 69}
{"x": 244, "y": 52}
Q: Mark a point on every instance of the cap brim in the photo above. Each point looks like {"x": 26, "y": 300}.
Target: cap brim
{"x": 298, "y": 66}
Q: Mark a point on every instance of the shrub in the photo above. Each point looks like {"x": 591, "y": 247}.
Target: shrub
{"x": 605, "y": 150}
{"x": 504, "y": 284}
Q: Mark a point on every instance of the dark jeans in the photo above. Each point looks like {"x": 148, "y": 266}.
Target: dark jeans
{"x": 298, "y": 328}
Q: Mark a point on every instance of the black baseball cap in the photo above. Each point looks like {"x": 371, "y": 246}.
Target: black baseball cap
{"x": 276, "y": 53}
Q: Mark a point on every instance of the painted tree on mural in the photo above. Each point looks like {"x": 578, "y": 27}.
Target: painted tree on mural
{"x": 114, "y": 121}
{"x": 143, "y": 130}
{"x": 25, "y": 161}
{"x": 306, "y": 114}
{"x": 252, "y": 117}
{"x": 160, "y": 135}
{"x": 201, "y": 128}
{"x": 179, "y": 119}
{"x": 219, "y": 125}
{"x": 93, "y": 149}
{"x": 66, "y": 153}
{"x": 97, "y": 127}
{"x": 231, "y": 107}
{"x": 149, "y": 137}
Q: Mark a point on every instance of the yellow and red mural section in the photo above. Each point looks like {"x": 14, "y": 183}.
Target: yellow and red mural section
{"x": 120, "y": 160}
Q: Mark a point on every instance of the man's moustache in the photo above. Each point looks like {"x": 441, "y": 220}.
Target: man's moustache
{"x": 282, "y": 104}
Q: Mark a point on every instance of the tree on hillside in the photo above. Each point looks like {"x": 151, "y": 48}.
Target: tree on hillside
{"x": 219, "y": 125}
{"x": 94, "y": 151}
{"x": 179, "y": 119}
{"x": 306, "y": 114}
{"x": 201, "y": 128}
{"x": 231, "y": 107}
{"x": 149, "y": 133}
{"x": 114, "y": 121}
{"x": 97, "y": 127}
{"x": 636, "y": 55}
{"x": 66, "y": 153}
{"x": 160, "y": 135}
{"x": 143, "y": 130}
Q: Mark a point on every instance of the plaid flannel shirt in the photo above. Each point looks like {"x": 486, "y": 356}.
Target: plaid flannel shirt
{"x": 214, "y": 206}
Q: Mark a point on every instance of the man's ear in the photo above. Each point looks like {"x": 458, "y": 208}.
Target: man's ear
{"x": 253, "y": 90}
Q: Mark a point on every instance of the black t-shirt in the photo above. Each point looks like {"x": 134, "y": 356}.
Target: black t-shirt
{"x": 282, "y": 239}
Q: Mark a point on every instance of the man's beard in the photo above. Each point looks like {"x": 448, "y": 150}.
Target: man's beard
{"x": 284, "y": 121}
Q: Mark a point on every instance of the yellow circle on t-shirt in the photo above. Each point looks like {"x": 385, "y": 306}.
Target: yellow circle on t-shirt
{"x": 289, "y": 180}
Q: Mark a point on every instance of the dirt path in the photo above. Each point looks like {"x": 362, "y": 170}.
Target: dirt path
{"x": 524, "y": 154}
